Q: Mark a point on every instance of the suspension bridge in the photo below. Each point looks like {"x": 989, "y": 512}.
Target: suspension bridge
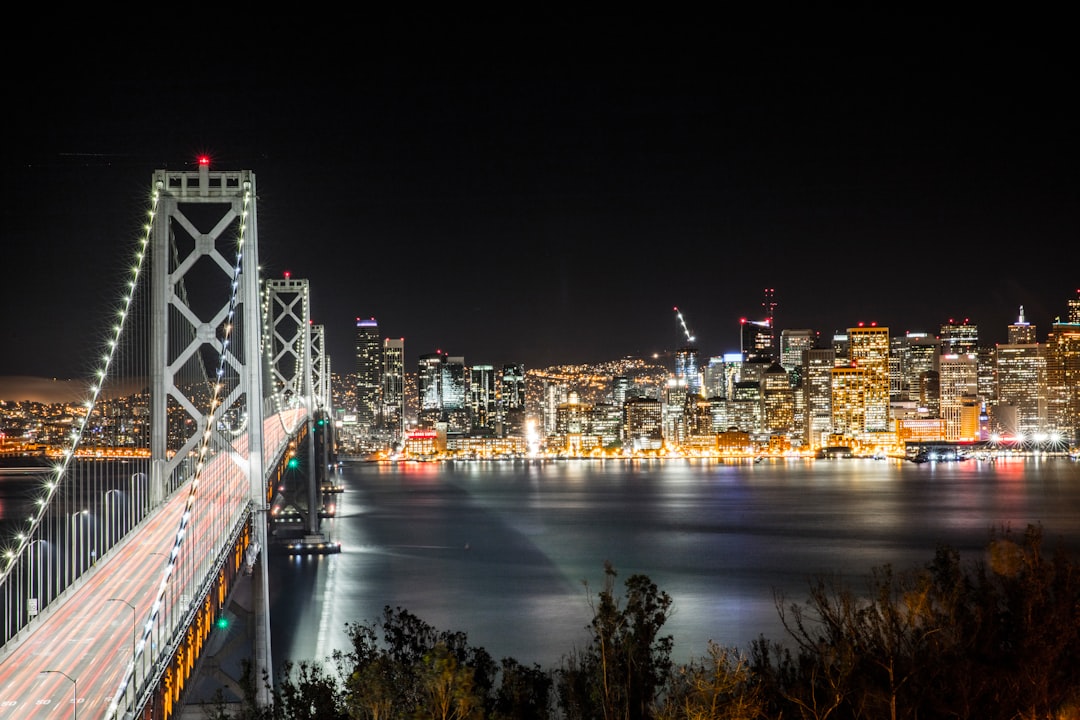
{"x": 211, "y": 385}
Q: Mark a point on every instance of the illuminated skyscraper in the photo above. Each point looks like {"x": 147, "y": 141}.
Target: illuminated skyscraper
{"x": 959, "y": 338}
{"x": 1021, "y": 383}
{"x": 688, "y": 370}
{"x": 482, "y": 398}
{"x": 959, "y": 388}
{"x": 392, "y": 420}
{"x": 368, "y": 375}
{"x": 512, "y": 400}
{"x": 757, "y": 340}
{"x": 1022, "y": 332}
{"x": 792, "y": 345}
{"x": 1063, "y": 375}
{"x": 429, "y": 380}
{"x": 869, "y": 349}
{"x": 817, "y": 388}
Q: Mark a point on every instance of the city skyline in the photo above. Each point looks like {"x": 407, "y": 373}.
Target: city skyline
{"x": 516, "y": 201}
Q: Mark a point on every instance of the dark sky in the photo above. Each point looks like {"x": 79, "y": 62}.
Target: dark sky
{"x": 543, "y": 199}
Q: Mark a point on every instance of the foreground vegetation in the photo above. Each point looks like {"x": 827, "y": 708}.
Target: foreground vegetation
{"x": 993, "y": 638}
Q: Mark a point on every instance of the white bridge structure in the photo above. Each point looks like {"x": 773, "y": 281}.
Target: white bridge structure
{"x": 159, "y": 499}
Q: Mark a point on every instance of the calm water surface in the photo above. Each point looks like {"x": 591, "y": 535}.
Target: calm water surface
{"x": 501, "y": 551}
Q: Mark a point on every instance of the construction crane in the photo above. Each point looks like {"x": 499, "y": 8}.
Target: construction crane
{"x": 682, "y": 321}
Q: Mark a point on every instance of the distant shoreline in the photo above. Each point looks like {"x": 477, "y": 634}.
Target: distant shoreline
{"x": 20, "y": 388}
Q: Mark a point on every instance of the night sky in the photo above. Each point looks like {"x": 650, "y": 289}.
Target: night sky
{"x": 546, "y": 199}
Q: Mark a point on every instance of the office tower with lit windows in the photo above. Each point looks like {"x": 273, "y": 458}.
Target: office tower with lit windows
{"x": 958, "y": 338}
{"x": 392, "y": 418}
{"x": 1063, "y": 376}
{"x": 817, "y": 391}
{"x": 1022, "y": 332}
{"x": 916, "y": 361}
{"x": 688, "y": 370}
{"x": 778, "y": 401}
{"x": 455, "y": 411}
{"x": 869, "y": 349}
{"x": 369, "y": 365}
{"x": 848, "y": 401}
{"x": 792, "y": 345}
{"x": 512, "y": 400}
{"x": 959, "y": 388}
{"x": 757, "y": 341}
{"x": 482, "y": 399}
{"x": 429, "y": 392}
{"x": 1020, "y": 408}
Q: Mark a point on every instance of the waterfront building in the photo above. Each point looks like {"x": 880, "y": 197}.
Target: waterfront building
{"x": 644, "y": 424}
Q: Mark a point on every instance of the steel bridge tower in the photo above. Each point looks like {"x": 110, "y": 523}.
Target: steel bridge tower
{"x": 206, "y": 320}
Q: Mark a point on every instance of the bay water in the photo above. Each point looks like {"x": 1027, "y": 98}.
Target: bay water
{"x": 512, "y": 553}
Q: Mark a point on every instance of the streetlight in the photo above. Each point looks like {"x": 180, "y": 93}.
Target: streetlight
{"x": 73, "y": 542}
{"x": 112, "y": 534}
{"x": 134, "y": 632}
{"x": 48, "y": 570}
{"x": 74, "y": 692}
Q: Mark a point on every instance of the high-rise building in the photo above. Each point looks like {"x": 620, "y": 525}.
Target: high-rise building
{"x": 1022, "y": 332}
{"x": 959, "y": 388}
{"x": 392, "y": 419}
{"x": 757, "y": 341}
{"x": 817, "y": 388}
{"x": 1063, "y": 376}
{"x": 792, "y": 345}
{"x": 916, "y": 355}
{"x": 959, "y": 338}
{"x": 1020, "y": 408}
{"x": 869, "y": 350}
{"x": 482, "y": 399}
{"x": 688, "y": 370}
{"x": 369, "y": 365}
{"x": 429, "y": 393}
{"x": 512, "y": 400}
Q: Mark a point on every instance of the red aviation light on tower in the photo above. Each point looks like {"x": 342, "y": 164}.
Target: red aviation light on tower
{"x": 204, "y": 160}
{"x": 288, "y": 274}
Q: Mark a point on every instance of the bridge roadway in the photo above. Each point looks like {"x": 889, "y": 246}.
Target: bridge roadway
{"x": 81, "y": 648}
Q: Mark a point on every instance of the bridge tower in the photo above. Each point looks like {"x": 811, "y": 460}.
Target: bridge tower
{"x": 206, "y": 320}
{"x": 299, "y": 371}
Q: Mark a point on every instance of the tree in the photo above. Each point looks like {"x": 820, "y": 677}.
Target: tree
{"x": 620, "y": 675}
{"x": 719, "y": 687}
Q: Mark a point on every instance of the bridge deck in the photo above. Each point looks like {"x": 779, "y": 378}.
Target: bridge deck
{"x": 80, "y": 649}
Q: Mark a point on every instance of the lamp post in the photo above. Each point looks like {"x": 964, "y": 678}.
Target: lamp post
{"x": 112, "y": 534}
{"x": 74, "y": 544}
{"x": 48, "y": 570}
{"x": 74, "y": 692}
{"x": 134, "y": 632}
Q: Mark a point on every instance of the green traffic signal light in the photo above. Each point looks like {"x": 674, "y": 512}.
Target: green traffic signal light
{"x": 293, "y": 462}
{"x": 223, "y": 622}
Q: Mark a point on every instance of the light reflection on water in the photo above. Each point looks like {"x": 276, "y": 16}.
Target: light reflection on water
{"x": 500, "y": 550}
